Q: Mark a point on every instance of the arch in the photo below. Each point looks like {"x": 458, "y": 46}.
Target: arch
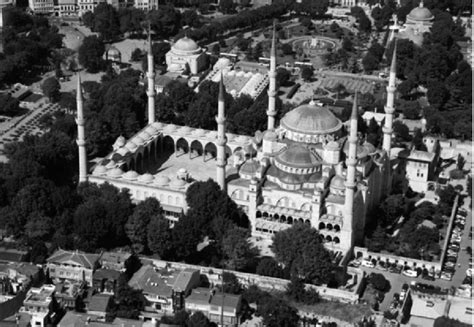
{"x": 152, "y": 152}
{"x": 336, "y": 240}
{"x": 283, "y": 202}
{"x": 321, "y": 226}
{"x": 307, "y": 222}
{"x": 228, "y": 152}
{"x": 237, "y": 194}
{"x": 329, "y": 226}
{"x": 139, "y": 163}
{"x": 290, "y": 220}
{"x": 182, "y": 144}
{"x": 283, "y": 219}
{"x": 131, "y": 165}
{"x": 321, "y": 238}
{"x": 146, "y": 158}
{"x": 196, "y": 148}
{"x": 168, "y": 143}
{"x": 210, "y": 148}
{"x": 237, "y": 149}
{"x": 300, "y": 220}
{"x": 265, "y": 214}
{"x": 259, "y": 214}
{"x": 276, "y": 216}
{"x": 328, "y": 238}
{"x": 306, "y": 207}
{"x": 337, "y": 228}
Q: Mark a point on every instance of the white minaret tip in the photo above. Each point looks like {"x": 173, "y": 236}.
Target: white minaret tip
{"x": 393, "y": 66}
{"x": 221, "y": 88}
{"x": 273, "y": 48}
{"x": 79, "y": 87}
{"x": 354, "y": 107}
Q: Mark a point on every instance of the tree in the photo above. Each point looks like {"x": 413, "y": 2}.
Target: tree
{"x": 138, "y": 223}
{"x": 9, "y": 105}
{"x": 307, "y": 73}
{"x": 282, "y": 77}
{"x": 370, "y": 63}
{"x": 392, "y": 208}
{"x": 269, "y": 267}
{"x": 90, "y": 54}
{"x": 236, "y": 248}
{"x": 401, "y": 130}
{"x": 136, "y": 55}
{"x": 226, "y": 6}
{"x": 297, "y": 291}
{"x": 378, "y": 240}
{"x": 128, "y": 302}
{"x": 230, "y": 283}
{"x": 379, "y": 282}
{"x": 198, "y": 319}
{"x": 347, "y": 44}
{"x": 437, "y": 94}
{"x": 106, "y": 21}
{"x": 51, "y": 89}
{"x": 159, "y": 236}
{"x": 300, "y": 249}
{"x": 287, "y": 49}
{"x": 276, "y": 312}
{"x": 444, "y": 321}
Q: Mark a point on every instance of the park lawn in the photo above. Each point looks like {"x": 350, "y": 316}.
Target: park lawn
{"x": 343, "y": 311}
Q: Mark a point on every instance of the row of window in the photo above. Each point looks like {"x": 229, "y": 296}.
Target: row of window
{"x": 139, "y": 195}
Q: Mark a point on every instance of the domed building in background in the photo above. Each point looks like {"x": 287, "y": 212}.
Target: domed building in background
{"x": 186, "y": 53}
{"x": 418, "y": 22}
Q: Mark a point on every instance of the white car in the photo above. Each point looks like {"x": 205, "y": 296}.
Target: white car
{"x": 410, "y": 273}
{"x": 446, "y": 276}
{"x": 368, "y": 264}
{"x": 469, "y": 272}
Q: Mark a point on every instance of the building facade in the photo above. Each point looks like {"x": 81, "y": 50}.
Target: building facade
{"x": 39, "y": 304}
{"x": 74, "y": 266}
{"x": 42, "y": 7}
{"x": 184, "y": 55}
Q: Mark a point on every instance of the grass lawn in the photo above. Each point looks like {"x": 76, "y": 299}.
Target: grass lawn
{"x": 347, "y": 312}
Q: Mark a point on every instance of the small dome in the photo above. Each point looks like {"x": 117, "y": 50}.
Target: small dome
{"x": 162, "y": 180}
{"x": 338, "y": 182}
{"x": 270, "y": 136}
{"x": 311, "y": 119}
{"x": 122, "y": 151}
{"x": 186, "y": 45}
{"x": 157, "y": 125}
{"x": 138, "y": 140}
{"x": 145, "y": 178}
{"x": 182, "y": 171}
{"x": 370, "y": 147}
{"x": 116, "y": 172}
{"x": 170, "y": 127}
{"x": 289, "y": 178}
{"x": 297, "y": 156}
{"x": 130, "y": 175}
{"x": 145, "y": 135}
{"x": 151, "y": 130}
{"x": 361, "y": 152}
{"x": 420, "y": 13}
{"x": 119, "y": 142}
{"x": 99, "y": 170}
{"x": 131, "y": 145}
{"x": 113, "y": 51}
{"x": 177, "y": 183}
{"x": 249, "y": 167}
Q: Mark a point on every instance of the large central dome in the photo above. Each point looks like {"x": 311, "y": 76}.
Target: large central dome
{"x": 311, "y": 119}
{"x": 186, "y": 45}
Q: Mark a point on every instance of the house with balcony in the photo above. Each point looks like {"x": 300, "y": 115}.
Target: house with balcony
{"x": 39, "y": 305}
{"x": 73, "y": 266}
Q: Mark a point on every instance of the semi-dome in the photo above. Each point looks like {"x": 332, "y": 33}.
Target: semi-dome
{"x": 185, "y": 45}
{"x": 130, "y": 175}
{"x": 311, "y": 119}
{"x": 361, "y": 152}
{"x": 297, "y": 156}
{"x": 249, "y": 167}
{"x": 116, "y": 172}
{"x": 420, "y": 13}
{"x": 270, "y": 135}
{"x": 162, "y": 180}
{"x": 145, "y": 178}
{"x": 338, "y": 182}
{"x": 99, "y": 170}
{"x": 177, "y": 183}
{"x": 113, "y": 51}
{"x": 332, "y": 146}
{"x": 119, "y": 142}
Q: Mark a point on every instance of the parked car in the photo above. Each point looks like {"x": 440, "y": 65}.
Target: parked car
{"x": 381, "y": 266}
{"x": 469, "y": 272}
{"x": 446, "y": 276}
{"x": 410, "y": 273}
{"x": 367, "y": 263}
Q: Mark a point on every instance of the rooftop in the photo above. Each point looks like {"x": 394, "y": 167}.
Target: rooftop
{"x": 86, "y": 260}
{"x": 99, "y": 303}
{"x": 42, "y": 294}
{"x": 421, "y": 156}
{"x": 76, "y": 319}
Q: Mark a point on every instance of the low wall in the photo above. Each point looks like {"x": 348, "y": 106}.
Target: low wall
{"x": 264, "y": 282}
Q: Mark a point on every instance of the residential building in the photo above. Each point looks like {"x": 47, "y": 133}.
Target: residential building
{"x": 218, "y": 307}
{"x": 39, "y": 304}
{"x": 461, "y": 308}
{"x": 114, "y": 260}
{"x": 67, "y": 8}
{"x": 427, "y": 305}
{"x": 68, "y": 293}
{"x": 45, "y": 7}
{"x": 146, "y": 4}
{"x": 105, "y": 280}
{"x": 12, "y": 255}
{"x": 164, "y": 289}
{"x": 72, "y": 265}
{"x": 419, "y": 169}
{"x": 77, "y": 319}
{"x": 99, "y": 306}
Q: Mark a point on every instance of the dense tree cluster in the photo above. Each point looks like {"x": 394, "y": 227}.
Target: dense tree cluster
{"x": 364, "y": 23}
{"x": 29, "y": 45}
{"x": 9, "y": 106}
{"x": 301, "y": 250}
{"x": 438, "y": 66}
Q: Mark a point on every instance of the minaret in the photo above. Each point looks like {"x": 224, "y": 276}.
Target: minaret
{"x": 221, "y": 138}
{"x": 81, "y": 140}
{"x": 151, "y": 82}
{"x": 351, "y": 163}
{"x": 389, "y": 108}
{"x": 272, "y": 91}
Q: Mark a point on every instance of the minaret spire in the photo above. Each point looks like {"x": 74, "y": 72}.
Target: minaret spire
{"x": 151, "y": 80}
{"x": 272, "y": 91}
{"x": 390, "y": 108}
{"x": 221, "y": 138}
{"x": 351, "y": 163}
{"x": 81, "y": 141}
